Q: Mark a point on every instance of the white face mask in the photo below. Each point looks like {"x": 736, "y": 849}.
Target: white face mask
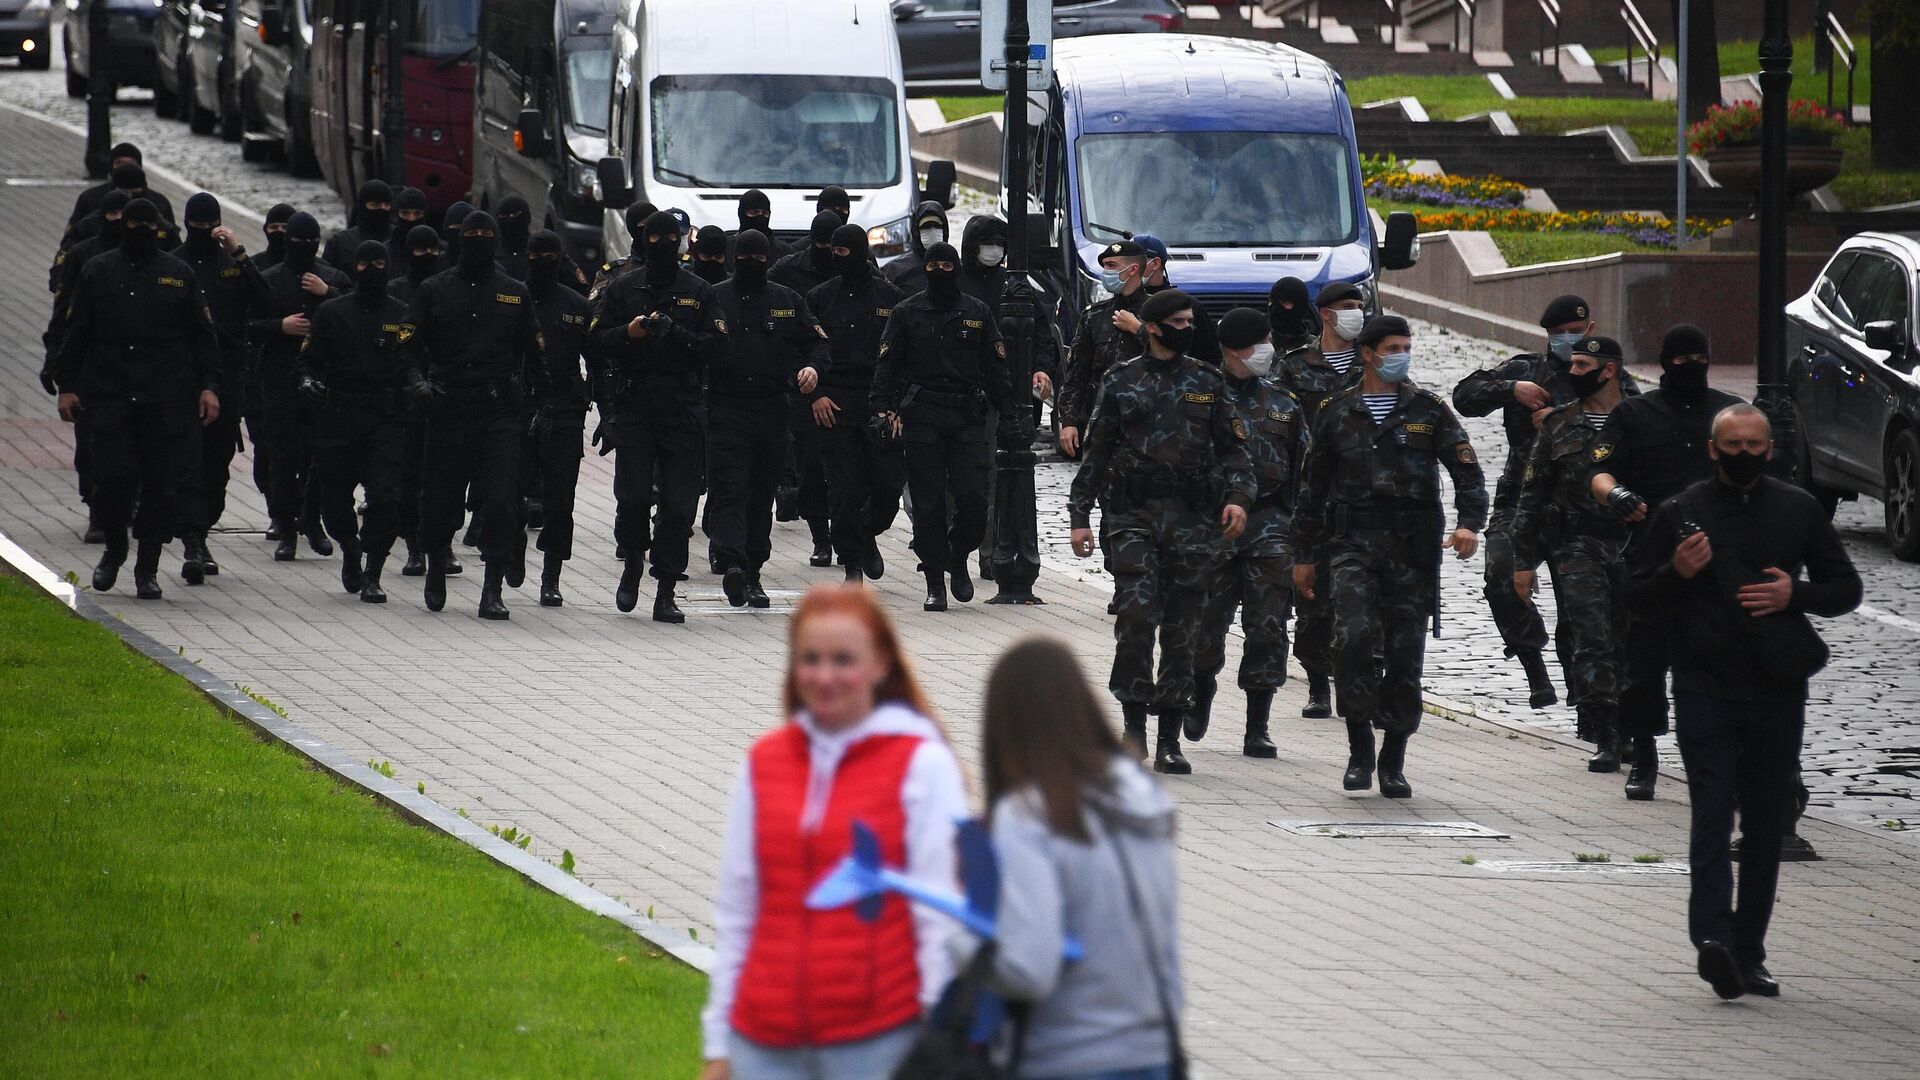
{"x": 930, "y": 237}
{"x": 1348, "y": 323}
{"x": 1261, "y": 362}
{"x": 992, "y": 254}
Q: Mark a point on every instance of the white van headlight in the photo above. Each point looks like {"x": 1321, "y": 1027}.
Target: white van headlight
{"x": 886, "y": 241}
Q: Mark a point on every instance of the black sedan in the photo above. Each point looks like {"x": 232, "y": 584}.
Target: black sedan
{"x": 940, "y": 39}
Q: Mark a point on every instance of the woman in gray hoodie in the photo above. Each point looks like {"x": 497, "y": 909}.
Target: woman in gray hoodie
{"x": 1084, "y": 838}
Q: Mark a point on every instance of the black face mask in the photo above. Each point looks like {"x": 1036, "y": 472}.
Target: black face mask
{"x": 756, "y": 222}
{"x": 663, "y": 254}
{"x": 852, "y": 266}
{"x": 543, "y": 274}
{"x": 943, "y": 286}
{"x": 1742, "y": 469}
{"x": 822, "y": 258}
{"x": 200, "y": 239}
{"x": 514, "y": 232}
{"x": 370, "y": 284}
{"x": 1180, "y": 340}
{"x": 302, "y": 253}
{"x": 476, "y": 254}
{"x": 1685, "y": 380}
{"x": 111, "y": 233}
{"x": 713, "y": 273}
{"x": 277, "y": 244}
{"x": 140, "y": 241}
{"x": 422, "y": 267}
{"x": 375, "y": 224}
{"x": 749, "y": 275}
{"x": 1585, "y": 384}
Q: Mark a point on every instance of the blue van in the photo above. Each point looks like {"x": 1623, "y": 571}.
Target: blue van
{"x": 1240, "y": 155}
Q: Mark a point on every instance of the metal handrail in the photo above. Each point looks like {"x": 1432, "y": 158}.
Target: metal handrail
{"x": 1550, "y": 11}
{"x": 1393, "y": 23}
{"x": 1843, "y": 49}
{"x": 1640, "y": 32}
{"x": 1458, "y": 7}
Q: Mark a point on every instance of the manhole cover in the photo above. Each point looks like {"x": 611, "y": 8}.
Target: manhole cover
{"x": 1522, "y": 867}
{"x": 1354, "y": 830}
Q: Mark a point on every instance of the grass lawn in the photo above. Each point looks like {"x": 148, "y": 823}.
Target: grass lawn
{"x": 1525, "y": 248}
{"x": 178, "y": 898}
{"x": 1743, "y": 58}
{"x": 959, "y": 108}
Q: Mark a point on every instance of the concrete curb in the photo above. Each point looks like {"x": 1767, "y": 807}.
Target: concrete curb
{"x": 405, "y": 801}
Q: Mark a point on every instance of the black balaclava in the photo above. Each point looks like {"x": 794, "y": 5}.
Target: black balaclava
{"x": 409, "y": 208}
{"x": 710, "y": 254}
{"x": 450, "y": 229}
{"x": 374, "y": 224}
{"x": 928, "y": 215}
{"x": 1290, "y": 313}
{"x": 277, "y": 238}
{"x": 129, "y": 177}
{"x": 143, "y": 233}
{"x": 422, "y": 267}
{"x": 660, "y": 246}
{"x": 303, "y": 242}
{"x": 516, "y": 223}
{"x": 756, "y": 212}
{"x": 202, "y": 217}
{"x": 637, "y": 216}
{"x": 820, "y": 240}
{"x": 370, "y": 284}
{"x": 113, "y": 230}
{"x": 1683, "y": 381}
{"x": 836, "y": 199}
{"x": 544, "y": 251}
{"x": 476, "y": 252}
{"x": 125, "y": 150}
{"x": 981, "y": 232}
{"x": 852, "y": 267}
{"x": 943, "y": 286}
{"x": 750, "y": 254}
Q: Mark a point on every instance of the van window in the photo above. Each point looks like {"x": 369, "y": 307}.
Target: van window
{"x": 788, "y": 131}
{"x": 589, "y": 86}
{"x": 1220, "y": 188}
{"x": 444, "y": 27}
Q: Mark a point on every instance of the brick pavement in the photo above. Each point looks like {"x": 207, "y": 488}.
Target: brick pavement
{"x": 1306, "y": 955}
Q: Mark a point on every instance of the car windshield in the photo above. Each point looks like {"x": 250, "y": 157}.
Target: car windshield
{"x": 589, "y": 84}
{"x": 1220, "y": 188}
{"x": 775, "y": 131}
{"x": 446, "y": 28}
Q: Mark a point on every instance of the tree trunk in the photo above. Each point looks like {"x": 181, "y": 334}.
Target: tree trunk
{"x": 1896, "y": 77}
{"x": 1703, "y": 56}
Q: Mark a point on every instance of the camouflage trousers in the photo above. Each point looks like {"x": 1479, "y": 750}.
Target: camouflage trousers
{"x": 1261, "y": 586}
{"x": 1521, "y": 628}
{"x": 1382, "y": 594}
{"x": 1313, "y": 630}
{"x": 1588, "y": 577}
{"x": 1160, "y": 589}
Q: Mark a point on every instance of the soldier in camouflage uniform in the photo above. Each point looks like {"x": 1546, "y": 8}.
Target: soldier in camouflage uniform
{"x": 1370, "y": 512}
{"x": 1097, "y": 343}
{"x": 1312, "y": 373}
{"x": 1257, "y": 577}
{"x": 1557, "y": 521}
{"x": 1168, "y": 459}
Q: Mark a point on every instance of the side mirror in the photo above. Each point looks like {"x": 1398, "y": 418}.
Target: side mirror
{"x": 273, "y": 25}
{"x": 1398, "y": 250}
{"x": 1889, "y": 336}
{"x": 1040, "y": 249}
{"x": 615, "y": 188}
{"x": 904, "y": 10}
{"x": 530, "y": 133}
{"x": 940, "y": 180}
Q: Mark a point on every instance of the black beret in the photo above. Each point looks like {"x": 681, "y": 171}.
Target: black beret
{"x": 1605, "y": 348}
{"x": 1164, "y": 303}
{"x": 1684, "y": 339}
{"x": 1289, "y": 290}
{"x": 1338, "y": 291}
{"x": 142, "y": 210}
{"x": 1565, "y": 309}
{"x": 1125, "y": 249}
{"x": 751, "y": 242}
{"x": 545, "y": 242}
{"x": 1243, "y": 328}
{"x": 370, "y": 251}
{"x": 942, "y": 252}
{"x": 1381, "y": 327}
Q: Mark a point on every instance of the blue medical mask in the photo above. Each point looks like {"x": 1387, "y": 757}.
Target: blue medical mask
{"x": 1110, "y": 281}
{"x": 1393, "y": 366}
{"x": 1561, "y": 345}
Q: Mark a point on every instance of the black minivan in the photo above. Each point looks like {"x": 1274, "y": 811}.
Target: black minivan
{"x": 545, "y": 68}
{"x": 272, "y": 64}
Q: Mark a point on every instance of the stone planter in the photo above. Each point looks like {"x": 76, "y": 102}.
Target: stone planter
{"x": 1808, "y": 168}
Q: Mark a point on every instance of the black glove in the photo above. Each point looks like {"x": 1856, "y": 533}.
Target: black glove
{"x": 601, "y": 437}
{"x": 46, "y": 380}
{"x": 312, "y": 389}
{"x": 1624, "y": 502}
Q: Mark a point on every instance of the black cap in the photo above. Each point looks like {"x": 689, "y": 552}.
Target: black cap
{"x": 140, "y": 210}
{"x": 1381, "y": 327}
{"x": 1290, "y": 290}
{"x": 422, "y": 236}
{"x": 1164, "y": 303}
{"x": 1603, "y": 348}
{"x": 369, "y": 251}
{"x": 1338, "y": 291}
{"x": 930, "y": 213}
{"x": 202, "y": 206}
{"x": 1243, "y": 328}
{"x": 710, "y": 240}
{"x": 1565, "y": 309}
{"x": 941, "y": 252}
{"x": 129, "y": 176}
{"x": 751, "y": 242}
{"x": 375, "y": 191}
{"x": 1123, "y": 249}
{"x": 480, "y": 219}
{"x": 825, "y": 223}
{"x": 302, "y": 226}
{"x": 1685, "y": 339}
{"x": 280, "y": 213}
{"x": 545, "y": 242}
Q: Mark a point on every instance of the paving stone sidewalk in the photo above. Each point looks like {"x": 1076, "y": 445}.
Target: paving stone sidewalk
{"x": 1307, "y": 955}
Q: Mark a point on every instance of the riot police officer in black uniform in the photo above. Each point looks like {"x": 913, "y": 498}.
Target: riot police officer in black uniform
{"x": 407, "y": 270}
{"x": 371, "y": 219}
{"x": 296, "y": 288}
{"x": 560, "y": 418}
{"x": 909, "y": 272}
{"x": 803, "y": 483}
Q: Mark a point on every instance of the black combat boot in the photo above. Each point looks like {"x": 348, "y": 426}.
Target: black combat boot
{"x": 208, "y": 567}
{"x": 822, "y": 545}
{"x": 454, "y": 569}
{"x": 534, "y": 513}
{"x": 1133, "y": 727}
{"x": 1393, "y": 757}
{"x": 1319, "y": 697}
{"x": 276, "y": 530}
{"x": 146, "y": 570}
{"x": 192, "y": 570}
{"x": 756, "y": 596}
{"x": 95, "y": 533}
{"x": 854, "y": 576}
{"x": 936, "y": 592}
{"x": 1194, "y": 724}
{"x": 286, "y": 546}
{"x": 1359, "y": 776}
{"x": 734, "y": 584}
{"x": 1596, "y": 722}
{"x": 626, "y": 596}
{"x": 1540, "y": 692}
{"x": 550, "y": 582}
{"x": 786, "y": 504}
{"x": 353, "y": 575}
{"x": 436, "y": 589}
{"x": 1643, "y": 771}
{"x": 1167, "y": 757}
{"x": 962, "y": 584}
{"x": 874, "y": 566}
{"x": 416, "y": 563}
{"x": 664, "y": 608}
{"x": 317, "y": 540}
{"x": 1257, "y": 744}
{"x": 107, "y": 571}
{"x": 370, "y": 590}
{"x": 491, "y": 606}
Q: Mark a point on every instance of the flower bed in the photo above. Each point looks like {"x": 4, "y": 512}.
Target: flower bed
{"x": 1739, "y": 125}
{"x": 1478, "y": 192}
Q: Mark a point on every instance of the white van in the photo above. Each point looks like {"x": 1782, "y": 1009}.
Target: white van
{"x": 713, "y": 97}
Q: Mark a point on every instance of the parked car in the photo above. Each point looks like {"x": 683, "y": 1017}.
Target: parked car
{"x": 275, "y": 39}
{"x": 940, "y": 39}
{"x": 26, "y": 31}
{"x": 210, "y": 97}
{"x": 169, "y": 55}
{"x": 540, "y": 112}
{"x": 129, "y": 33}
{"x": 1851, "y": 353}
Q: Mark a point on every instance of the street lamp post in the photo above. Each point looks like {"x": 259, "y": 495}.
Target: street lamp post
{"x": 1016, "y": 534}
{"x": 1776, "y": 77}
{"x": 99, "y": 154}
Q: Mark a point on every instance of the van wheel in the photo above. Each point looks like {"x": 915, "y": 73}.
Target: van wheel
{"x": 1828, "y": 498}
{"x": 165, "y": 101}
{"x": 1903, "y": 497}
{"x": 301, "y": 161}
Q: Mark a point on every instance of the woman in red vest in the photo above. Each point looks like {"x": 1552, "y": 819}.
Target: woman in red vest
{"x": 825, "y": 995}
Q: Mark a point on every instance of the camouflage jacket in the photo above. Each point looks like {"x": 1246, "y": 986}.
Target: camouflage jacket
{"x": 1306, "y": 375}
{"x": 1384, "y": 476}
{"x": 1098, "y": 346}
{"x": 1555, "y": 500}
{"x": 1491, "y": 389}
{"x": 1277, "y": 444}
{"x": 1164, "y": 451}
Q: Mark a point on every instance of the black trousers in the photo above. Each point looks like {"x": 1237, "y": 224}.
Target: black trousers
{"x": 142, "y": 454}
{"x": 1745, "y": 755}
{"x": 83, "y": 453}
{"x": 746, "y": 443}
{"x": 205, "y": 500}
{"x": 472, "y": 441}
{"x": 864, "y": 478}
{"x": 657, "y": 461}
{"x": 413, "y": 449}
{"x": 283, "y": 435}
{"x": 804, "y": 470}
{"x": 1643, "y": 699}
{"x": 947, "y": 457}
{"x": 560, "y": 449}
{"x": 361, "y": 451}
